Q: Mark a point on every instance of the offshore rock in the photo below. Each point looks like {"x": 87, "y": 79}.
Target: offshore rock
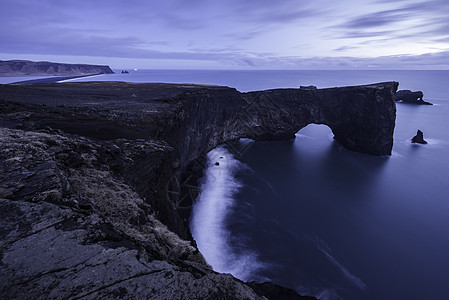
{"x": 408, "y": 96}
{"x": 93, "y": 177}
{"x": 419, "y": 138}
{"x": 26, "y": 68}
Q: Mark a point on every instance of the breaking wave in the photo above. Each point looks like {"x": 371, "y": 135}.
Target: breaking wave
{"x": 208, "y": 222}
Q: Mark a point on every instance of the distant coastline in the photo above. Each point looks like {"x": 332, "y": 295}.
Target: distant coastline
{"x": 13, "y": 68}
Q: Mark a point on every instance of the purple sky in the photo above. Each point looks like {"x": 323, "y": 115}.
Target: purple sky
{"x": 229, "y": 34}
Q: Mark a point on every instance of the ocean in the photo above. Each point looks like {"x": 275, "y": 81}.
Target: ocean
{"x": 329, "y": 222}
{"x": 313, "y": 216}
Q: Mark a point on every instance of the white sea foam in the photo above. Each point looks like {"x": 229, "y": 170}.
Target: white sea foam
{"x": 245, "y": 141}
{"x": 209, "y": 216}
{"x": 78, "y": 78}
{"x": 396, "y": 154}
{"x": 431, "y": 141}
{"x": 303, "y": 136}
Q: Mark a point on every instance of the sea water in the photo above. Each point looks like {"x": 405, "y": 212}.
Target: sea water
{"x": 431, "y": 82}
{"x": 334, "y": 223}
{"x": 323, "y": 220}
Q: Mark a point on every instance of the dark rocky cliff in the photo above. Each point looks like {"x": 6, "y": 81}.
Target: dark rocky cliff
{"x": 89, "y": 189}
{"x": 25, "y": 68}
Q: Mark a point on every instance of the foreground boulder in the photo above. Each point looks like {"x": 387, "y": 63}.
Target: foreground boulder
{"x": 408, "y": 96}
{"x": 90, "y": 201}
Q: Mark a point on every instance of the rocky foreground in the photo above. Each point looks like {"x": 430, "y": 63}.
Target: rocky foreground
{"x": 93, "y": 180}
{"x": 45, "y": 68}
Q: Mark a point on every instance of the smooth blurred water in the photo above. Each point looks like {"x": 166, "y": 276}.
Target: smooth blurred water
{"x": 343, "y": 225}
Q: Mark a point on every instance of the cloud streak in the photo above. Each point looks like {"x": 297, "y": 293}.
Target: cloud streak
{"x": 252, "y": 33}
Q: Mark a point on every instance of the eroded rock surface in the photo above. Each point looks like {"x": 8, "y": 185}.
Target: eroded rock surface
{"x": 89, "y": 184}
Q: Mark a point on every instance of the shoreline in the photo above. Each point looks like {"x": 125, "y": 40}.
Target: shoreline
{"x": 53, "y": 79}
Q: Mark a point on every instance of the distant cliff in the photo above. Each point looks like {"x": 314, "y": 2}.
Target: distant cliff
{"x": 26, "y": 67}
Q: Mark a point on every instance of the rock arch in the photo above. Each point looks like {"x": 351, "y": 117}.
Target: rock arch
{"x": 362, "y": 118}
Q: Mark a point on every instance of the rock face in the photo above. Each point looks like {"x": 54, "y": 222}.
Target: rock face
{"x": 25, "y": 67}
{"x": 90, "y": 201}
{"x": 408, "y": 96}
{"x": 419, "y": 138}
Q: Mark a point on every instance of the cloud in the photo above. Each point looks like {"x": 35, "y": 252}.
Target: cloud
{"x": 419, "y": 24}
{"x": 375, "y": 20}
{"x": 238, "y": 33}
{"x": 345, "y": 48}
{"x": 394, "y": 62}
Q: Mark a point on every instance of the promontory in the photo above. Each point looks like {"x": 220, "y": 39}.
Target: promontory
{"x": 90, "y": 193}
{"x": 43, "y": 68}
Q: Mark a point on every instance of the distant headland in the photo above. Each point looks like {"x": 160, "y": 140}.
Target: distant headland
{"x": 42, "y": 68}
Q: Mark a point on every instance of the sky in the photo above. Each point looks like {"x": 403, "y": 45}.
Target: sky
{"x": 229, "y": 34}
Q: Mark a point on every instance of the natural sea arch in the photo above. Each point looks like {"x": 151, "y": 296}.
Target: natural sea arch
{"x": 362, "y": 118}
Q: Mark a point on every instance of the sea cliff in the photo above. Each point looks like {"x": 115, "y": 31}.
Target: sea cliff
{"x": 92, "y": 190}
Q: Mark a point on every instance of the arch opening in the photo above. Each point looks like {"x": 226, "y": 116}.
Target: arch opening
{"x": 314, "y": 141}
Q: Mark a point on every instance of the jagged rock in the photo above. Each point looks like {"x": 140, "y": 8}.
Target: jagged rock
{"x": 26, "y": 67}
{"x": 408, "y": 96}
{"x": 92, "y": 179}
{"x": 419, "y": 138}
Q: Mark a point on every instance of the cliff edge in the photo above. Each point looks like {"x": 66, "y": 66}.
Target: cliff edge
{"x": 89, "y": 205}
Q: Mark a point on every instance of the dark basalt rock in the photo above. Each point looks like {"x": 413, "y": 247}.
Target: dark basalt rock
{"x": 419, "y": 138}
{"x": 408, "y": 96}
{"x": 26, "y": 67}
{"x": 93, "y": 180}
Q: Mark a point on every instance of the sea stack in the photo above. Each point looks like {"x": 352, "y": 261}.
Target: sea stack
{"x": 419, "y": 138}
{"x": 408, "y": 96}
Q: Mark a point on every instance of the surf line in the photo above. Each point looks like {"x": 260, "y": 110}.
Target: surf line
{"x": 208, "y": 222}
